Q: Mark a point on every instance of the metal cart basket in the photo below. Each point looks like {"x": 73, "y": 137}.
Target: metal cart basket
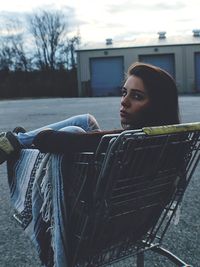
{"x": 120, "y": 201}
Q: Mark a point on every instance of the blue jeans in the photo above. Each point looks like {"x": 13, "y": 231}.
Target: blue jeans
{"x": 80, "y": 123}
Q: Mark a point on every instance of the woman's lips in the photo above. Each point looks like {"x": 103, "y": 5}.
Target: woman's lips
{"x": 123, "y": 113}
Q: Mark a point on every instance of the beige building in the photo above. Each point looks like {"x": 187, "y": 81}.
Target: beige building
{"x": 102, "y": 67}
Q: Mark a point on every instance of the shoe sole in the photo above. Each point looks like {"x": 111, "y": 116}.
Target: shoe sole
{"x": 19, "y": 129}
{"x": 8, "y": 146}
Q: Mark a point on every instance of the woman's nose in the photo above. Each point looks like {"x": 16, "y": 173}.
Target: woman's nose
{"x": 125, "y": 101}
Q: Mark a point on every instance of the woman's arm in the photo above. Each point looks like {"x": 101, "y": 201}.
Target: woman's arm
{"x": 65, "y": 142}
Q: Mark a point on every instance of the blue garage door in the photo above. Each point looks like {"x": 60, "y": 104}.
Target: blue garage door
{"x": 165, "y": 62}
{"x": 197, "y": 71}
{"x": 106, "y": 76}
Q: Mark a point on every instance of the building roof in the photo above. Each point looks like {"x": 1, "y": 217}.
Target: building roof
{"x": 145, "y": 41}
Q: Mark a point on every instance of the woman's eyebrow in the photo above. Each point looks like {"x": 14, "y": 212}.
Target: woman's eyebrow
{"x": 138, "y": 91}
{"x": 134, "y": 90}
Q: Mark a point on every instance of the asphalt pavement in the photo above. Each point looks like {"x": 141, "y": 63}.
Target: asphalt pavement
{"x": 16, "y": 249}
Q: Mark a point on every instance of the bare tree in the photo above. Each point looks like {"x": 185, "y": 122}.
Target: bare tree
{"x": 5, "y": 57}
{"x": 20, "y": 60}
{"x": 73, "y": 43}
{"x": 67, "y": 56}
{"x": 12, "y": 53}
{"x": 50, "y": 32}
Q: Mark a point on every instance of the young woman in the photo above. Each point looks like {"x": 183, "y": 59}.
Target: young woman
{"x": 149, "y": 98}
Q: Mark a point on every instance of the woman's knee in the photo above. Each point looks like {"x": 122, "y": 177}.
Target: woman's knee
{"x": 73, "y": 129}
{"x": 92, "y": 123}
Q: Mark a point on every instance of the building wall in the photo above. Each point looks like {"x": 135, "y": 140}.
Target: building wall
{"x": 184, "y": 56}
{"x": 189, "y": 67}
{"x": 84, "y": 72}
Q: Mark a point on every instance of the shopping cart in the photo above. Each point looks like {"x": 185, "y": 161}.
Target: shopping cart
{"x": 121, "y": 200}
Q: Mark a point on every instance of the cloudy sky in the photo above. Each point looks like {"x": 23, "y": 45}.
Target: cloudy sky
{"x": 97, "y": 20}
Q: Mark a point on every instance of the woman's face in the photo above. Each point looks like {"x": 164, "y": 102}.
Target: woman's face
{"x": 134, "y": 102}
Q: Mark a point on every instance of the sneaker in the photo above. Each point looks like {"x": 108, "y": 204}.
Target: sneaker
{"x": 19, "y": 129}
{"x": 9, "y": 144}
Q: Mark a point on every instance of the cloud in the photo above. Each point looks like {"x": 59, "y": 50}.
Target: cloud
{"x": 8, "y": 17}
{"x": 131, "y": 35}
{"x": 170, "y": 6}
{"x": 11, "y": 23}
{"x": 119, "y": 19}
{"x": 71, "y": 18}
{"x": 138, "y": 5}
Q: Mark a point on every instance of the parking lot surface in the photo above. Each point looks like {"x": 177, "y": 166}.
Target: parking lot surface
{"x": 15, "y": 248}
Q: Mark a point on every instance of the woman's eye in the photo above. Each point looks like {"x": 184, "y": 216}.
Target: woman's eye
{"x": 124, "y": 92}
{"x": 137, "y": 96}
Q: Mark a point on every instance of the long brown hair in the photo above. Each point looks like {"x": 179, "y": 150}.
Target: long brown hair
{"x": 162, "y": 91}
